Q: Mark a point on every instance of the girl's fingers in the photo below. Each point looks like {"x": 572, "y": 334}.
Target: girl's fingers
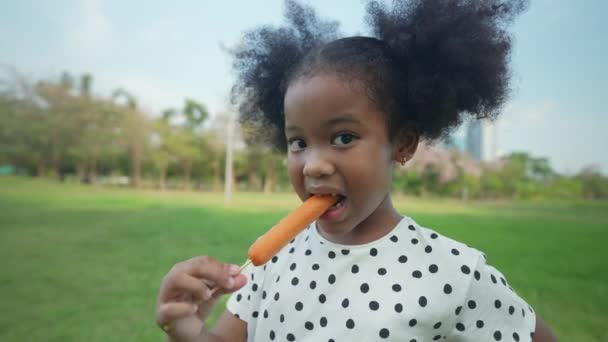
{"x": 239, "y": 281}
{"x": 206, "y": 267}
{"x": 185, "y": 297}
{"x": 170, "y": 312}
{"x": 181, "y": 283}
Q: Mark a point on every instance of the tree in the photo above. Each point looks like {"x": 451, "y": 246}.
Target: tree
{"x": 430, "y": 178}
{"x": 164, "y": 145}
{"x": 133, "y": 132}
{"x": 255, "y": 156}
{"x": 213, "y": 159}
{"x": 59, "y": 108}
{"x": 190, "y": 141}
{"x": 23, "y": 129}
{"x": 272, "y": 165}
{"x": 540, "y": 169}
{"x": 96, "y": 122}
{"x": 595, "y": 185}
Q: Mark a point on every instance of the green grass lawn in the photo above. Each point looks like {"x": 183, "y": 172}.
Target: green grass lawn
{"x": 83, "y": 263}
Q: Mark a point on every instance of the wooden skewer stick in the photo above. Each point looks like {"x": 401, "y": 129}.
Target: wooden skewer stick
{"x": 215, "y": 289}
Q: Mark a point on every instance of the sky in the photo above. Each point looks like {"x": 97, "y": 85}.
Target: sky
{"x": 164, "y": 52}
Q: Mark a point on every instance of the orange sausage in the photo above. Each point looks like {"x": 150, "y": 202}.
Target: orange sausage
{"x": 278, "y": 236}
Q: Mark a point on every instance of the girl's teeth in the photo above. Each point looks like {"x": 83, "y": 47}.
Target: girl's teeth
{"x": 338, "y": 205}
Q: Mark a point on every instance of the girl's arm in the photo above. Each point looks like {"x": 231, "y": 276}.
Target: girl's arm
{"x": 542, "y": 332}
{"x": 228, "y": 328}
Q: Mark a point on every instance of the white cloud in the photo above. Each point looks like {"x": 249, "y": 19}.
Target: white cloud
{"x": 534, "y": 114}
{"x": 152, "y": 94}
{"x": 161, "y": 31}
{"x": 92, "y": 30}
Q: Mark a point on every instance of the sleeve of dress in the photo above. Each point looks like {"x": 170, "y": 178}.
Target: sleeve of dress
{"x": 492, "y": 311}
{"x": 244, "y": 302}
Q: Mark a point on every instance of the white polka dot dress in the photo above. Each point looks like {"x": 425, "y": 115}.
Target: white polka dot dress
{"x": 410, "y": 285}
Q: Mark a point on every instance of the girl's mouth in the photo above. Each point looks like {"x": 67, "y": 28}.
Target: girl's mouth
{"x": 336, "y": 211}
{"x": 339, "y": 203}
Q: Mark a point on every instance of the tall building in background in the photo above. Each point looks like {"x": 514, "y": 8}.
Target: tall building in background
{"x": 456, "y": 140}
{"x": 481, "y": 140}
{"x": 453, "y": 142}
{"x": 473, "y": 139}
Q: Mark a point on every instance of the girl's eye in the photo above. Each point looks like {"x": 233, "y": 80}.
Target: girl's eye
{"x": 296, "y": 145}
{"x": 343, "y": 139}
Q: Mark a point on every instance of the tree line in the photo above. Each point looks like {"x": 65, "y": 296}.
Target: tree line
{"x": 59, "y": 127}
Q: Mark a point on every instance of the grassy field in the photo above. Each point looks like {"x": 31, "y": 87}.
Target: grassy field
{"x": 84, "y": 263}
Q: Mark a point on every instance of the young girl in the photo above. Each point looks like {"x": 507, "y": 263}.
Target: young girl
{"x": 346, "y": 110}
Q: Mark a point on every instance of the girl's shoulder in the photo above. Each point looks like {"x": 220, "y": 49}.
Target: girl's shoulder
{"x": 459, "y": 262}
{"x": 445, "y": 247}
{"x": 485, "y": 296}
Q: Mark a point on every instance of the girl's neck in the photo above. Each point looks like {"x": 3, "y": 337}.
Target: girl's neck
{"x": 375, "y": 226}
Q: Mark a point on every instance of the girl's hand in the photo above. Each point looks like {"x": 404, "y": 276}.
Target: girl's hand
{"x": 185, "y": 299}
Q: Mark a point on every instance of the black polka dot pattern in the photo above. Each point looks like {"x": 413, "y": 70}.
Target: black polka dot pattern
{"x": 465, "y": 269}
{"x": 373, "y": 305}
{"x": 422, "y": 301}
{"x": 322, "y": 298}
{"x": 410, "y": 283}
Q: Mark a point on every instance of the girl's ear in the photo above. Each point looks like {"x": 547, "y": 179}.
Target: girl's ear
{"x": 406, "y": 143}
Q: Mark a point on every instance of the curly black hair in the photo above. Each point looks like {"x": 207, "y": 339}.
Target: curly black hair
{"x": 429, "y": 63}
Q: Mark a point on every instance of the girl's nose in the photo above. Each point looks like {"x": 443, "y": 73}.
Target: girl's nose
{"x": 317, "y": 166}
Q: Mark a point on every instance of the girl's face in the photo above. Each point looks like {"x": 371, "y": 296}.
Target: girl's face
{"x": 338, "y": 142}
